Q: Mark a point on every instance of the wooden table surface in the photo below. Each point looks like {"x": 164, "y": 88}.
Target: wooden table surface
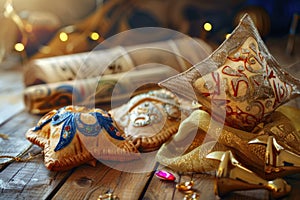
{"x": 31, "y": 180}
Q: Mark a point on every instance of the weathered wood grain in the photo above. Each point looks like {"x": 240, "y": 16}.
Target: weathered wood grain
{"x": 11, "y": 98}
{"x": 183, "y": 178}
{"x": 15, "y": 129}
{"x": 204, "y": 185}
{"x": 29, "y": 180}
{"x": 89, "y": 182}
{"x": 161, "y": 189}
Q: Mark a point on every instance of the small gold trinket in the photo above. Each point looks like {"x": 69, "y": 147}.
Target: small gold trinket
{"x": 232, "y": 176}
{"x": 185, "y": 186}
{"x": 108, "y": 196}
{"x": 192, "y": 196}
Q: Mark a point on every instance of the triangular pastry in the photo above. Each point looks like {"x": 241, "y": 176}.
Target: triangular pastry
{"x": 240, "y": 82}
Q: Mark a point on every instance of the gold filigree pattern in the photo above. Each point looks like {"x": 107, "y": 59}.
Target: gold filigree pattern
{"x": 217, "y": 137}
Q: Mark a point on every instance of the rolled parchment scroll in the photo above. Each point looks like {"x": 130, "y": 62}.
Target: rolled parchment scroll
{"x": 179, "y": 54}
{"x": 109, "y": 88}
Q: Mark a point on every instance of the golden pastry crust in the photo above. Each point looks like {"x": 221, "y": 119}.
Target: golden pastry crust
{"x": 149, "y": 119}
{"x": 75, "y": 135}
{"x": 67, "y": 158}
{"x": 103, "y": 147}
{"x": 40, "y": 134}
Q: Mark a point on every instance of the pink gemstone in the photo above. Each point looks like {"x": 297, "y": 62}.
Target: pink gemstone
{"x": 164, "y": 175}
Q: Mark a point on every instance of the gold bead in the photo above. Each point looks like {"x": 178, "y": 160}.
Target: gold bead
{"x": 185, "y": 186}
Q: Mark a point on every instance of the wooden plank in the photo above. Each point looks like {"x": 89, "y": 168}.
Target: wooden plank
{"x": 15, "y": 129}
{"x": 203, "y": 185}
{"x": 183, "y": 178}
{"x": 89, "y": 182}
{"x": 160, "y": 189}
{"x": 11, "y": 79}
{"x": 11, "y": 98}
{"x": 11, "y": 104}
{"x": 20, "y": 180}
{"x": 29, "y": 180}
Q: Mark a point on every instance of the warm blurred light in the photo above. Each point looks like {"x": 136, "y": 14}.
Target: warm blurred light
{"x": 94, "y": 36}
{"x": 45, "y": 49}
{"x": 8, "y": 8}
{"x": 207, "y": 26}
{"x": 227, "y": 35}
{"x": 19, "y": 47}
{"x": 63, "y": 36}
{"x": 28, "y": 28}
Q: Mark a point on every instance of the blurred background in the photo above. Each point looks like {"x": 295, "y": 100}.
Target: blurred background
{"x": 39, "y": 28}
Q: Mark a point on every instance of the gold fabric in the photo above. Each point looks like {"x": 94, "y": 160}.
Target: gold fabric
{"x": 187, "y": 153}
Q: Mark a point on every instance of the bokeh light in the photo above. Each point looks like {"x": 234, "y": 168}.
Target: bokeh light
{"x": 63, "y": 36}
{"x": 207, "y": 26}
{"x": 94, "y": 36}
{"x": 19, "y": 47}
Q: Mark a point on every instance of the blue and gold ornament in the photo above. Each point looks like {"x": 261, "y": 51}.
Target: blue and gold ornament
{"x": 73, "y": 121}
